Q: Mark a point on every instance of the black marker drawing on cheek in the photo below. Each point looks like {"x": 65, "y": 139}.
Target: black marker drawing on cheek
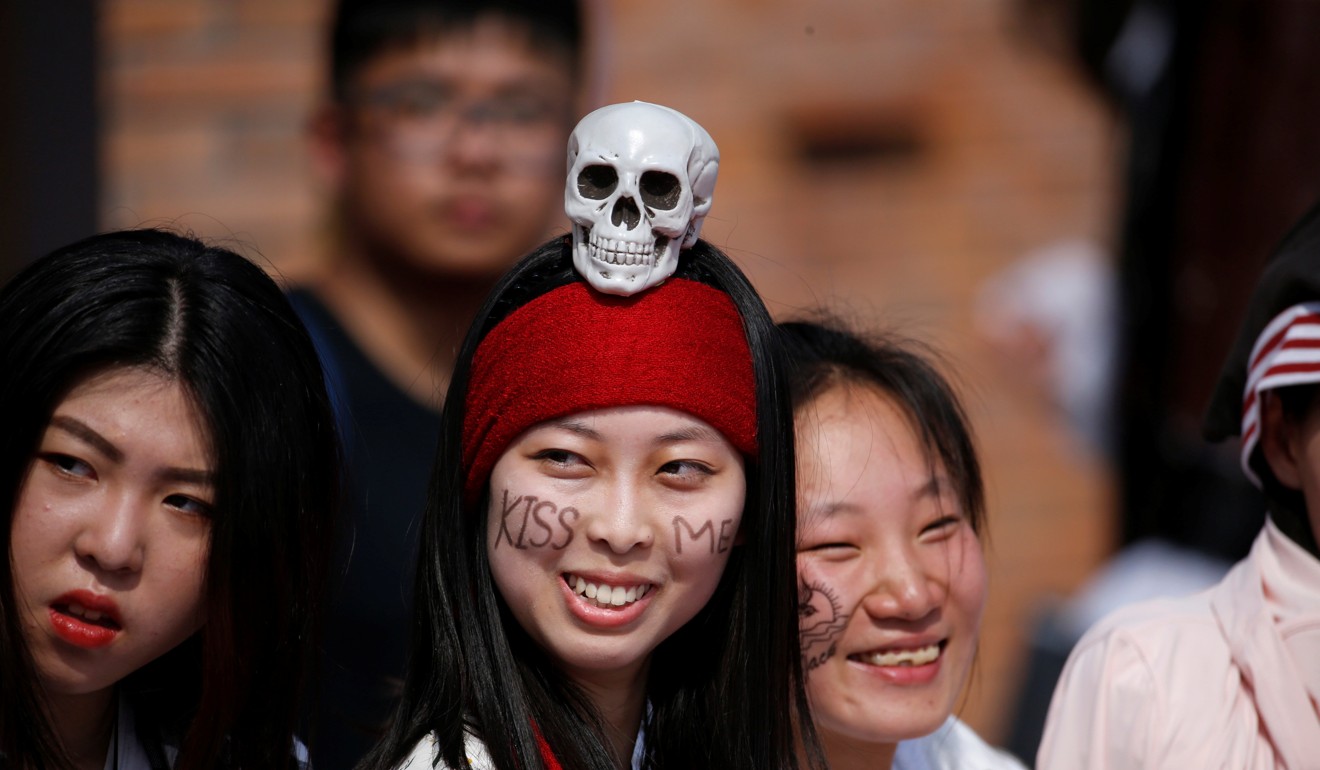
{"x": 507, "y": 508}
{"x": 719, "y": 543}
{"x": 542, "y": 514}
{"x": 568, "y": 530}
{"x": 820, "y": 622}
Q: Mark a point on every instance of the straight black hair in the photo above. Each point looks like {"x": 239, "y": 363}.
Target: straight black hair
{"x": 364, "y": 29}
{"x": 220, "y": 327}
{"x": 724, "y": 691}
{"x": 824, "y": 355}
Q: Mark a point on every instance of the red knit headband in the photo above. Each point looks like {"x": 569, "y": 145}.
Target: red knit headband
{"x": 680, "y": 345}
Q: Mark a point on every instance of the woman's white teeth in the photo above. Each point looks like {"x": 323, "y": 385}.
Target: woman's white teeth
{"x": 607, "y": 595}
{"x": 83, "y": 612}
{"x": 918, "y": 657}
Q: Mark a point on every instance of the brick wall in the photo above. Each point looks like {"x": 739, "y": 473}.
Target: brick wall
{"x": 881, "y": 158}
{"x": 203, "y": 104}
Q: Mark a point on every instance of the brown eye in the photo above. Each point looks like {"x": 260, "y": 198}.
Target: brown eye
{"x": 942, "y": 524}
{"x": 558, "y": 457}
{"x": 826, "y": 547}
{"x": 686, "y": 468}
{"x": 69, "y": 466}
{"x": 189, "y": 505}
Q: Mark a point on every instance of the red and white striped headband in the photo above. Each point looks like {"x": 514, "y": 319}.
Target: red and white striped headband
{"x": 1286, "y": 353}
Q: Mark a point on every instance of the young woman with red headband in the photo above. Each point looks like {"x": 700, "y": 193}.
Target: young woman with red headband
{"x": 608, "y": 547}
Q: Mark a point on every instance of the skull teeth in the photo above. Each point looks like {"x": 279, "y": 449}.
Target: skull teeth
{"x": 622, "y": 253}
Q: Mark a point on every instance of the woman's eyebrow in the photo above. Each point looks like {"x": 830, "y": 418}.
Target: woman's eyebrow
{"x": 934, "y": 487}
{"x": 187, "y": 476}
{"x": 575, "y": 426}
{"x": 690, "y": 433}
{"x": 834, "y": 510}
{"x": 83, "y": 432}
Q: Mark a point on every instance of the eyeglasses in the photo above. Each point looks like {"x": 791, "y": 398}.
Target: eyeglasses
{"x": 421, "y": 118}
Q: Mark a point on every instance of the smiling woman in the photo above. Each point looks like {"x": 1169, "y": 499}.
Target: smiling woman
{"x": 669, "y": 480}
{"x": 171, "y": 460}
{"x": 607, "y": 548}
{"x": 892, "y": 580}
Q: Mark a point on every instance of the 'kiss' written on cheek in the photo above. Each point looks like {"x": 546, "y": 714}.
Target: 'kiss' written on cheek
{"x": 539, "y": 523}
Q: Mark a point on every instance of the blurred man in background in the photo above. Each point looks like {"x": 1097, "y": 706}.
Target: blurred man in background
{"x": 442, "y": 142}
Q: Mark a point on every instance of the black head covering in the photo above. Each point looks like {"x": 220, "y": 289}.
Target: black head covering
{"x": 1291, "y": 277}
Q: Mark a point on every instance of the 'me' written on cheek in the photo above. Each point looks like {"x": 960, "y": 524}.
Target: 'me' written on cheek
{"x": 716, "y": 542}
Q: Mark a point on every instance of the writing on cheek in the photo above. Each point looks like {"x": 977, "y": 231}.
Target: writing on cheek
{"x": 539, "y": 523}
{"x": 820, "y": 622}
{"x": 717, "y": 541}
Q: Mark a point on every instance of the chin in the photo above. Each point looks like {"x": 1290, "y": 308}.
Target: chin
{"x": 467, "y": 263}
{"x": 884, "y": 726}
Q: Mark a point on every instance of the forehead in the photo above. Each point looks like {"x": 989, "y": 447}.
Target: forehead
{"x": 125, "y": 402}
{"x": 856, "y": 446}
{"x": 639, "y": 422}
{"x": 490, "y": 52}
{"x": 853, "y": 413}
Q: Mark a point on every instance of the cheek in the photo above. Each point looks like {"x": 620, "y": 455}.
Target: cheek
{"x": 523, "y": 521}
{"x": 183, "y": 588}
{"x": 380, "y": 189}
{"x": 39, "y": 535}
{"x": 969, "y": 582}
{"x": 702, "y": 529}
{"x": 1310, "y": 473}
{"x": 825, "y": 605}
{"x": 536, "y": 199}
{"x": 701, "y": 538}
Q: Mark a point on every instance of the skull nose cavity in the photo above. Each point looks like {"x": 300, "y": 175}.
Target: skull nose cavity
{"x": 625, "y": 213}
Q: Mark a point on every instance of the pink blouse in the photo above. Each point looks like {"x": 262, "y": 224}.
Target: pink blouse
{"x": 1227, "y": 678}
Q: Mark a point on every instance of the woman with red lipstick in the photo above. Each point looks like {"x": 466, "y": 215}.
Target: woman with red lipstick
{"x": 891, "y": 574}
{"x": 607, "y": 549}
{"x": 170, "y": 464}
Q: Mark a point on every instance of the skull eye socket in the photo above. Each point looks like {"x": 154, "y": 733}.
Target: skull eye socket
{"x": 597, "y": 182}
{"x": 660, "y": 190}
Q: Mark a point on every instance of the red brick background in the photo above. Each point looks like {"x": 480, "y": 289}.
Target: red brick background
{"x": 880, "y": 158}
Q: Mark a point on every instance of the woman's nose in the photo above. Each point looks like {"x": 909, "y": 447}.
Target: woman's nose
{"x": 903, "y": 588}
{"x": 622, "y": 522}
{"x": 112, "y": 535}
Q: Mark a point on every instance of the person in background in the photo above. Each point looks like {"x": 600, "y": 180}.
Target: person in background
{"x": 892, "y": 579}
{"x": 1229, "y": 677}
{"x": 441, "y": 139}
{"x": 169, "y": 468}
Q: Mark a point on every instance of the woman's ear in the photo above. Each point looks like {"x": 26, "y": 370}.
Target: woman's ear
{"x": 1280, "y": 442}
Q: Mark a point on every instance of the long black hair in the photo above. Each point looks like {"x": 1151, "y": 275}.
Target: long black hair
{"x": 724, "y": 691}
{"x": 217, "y": 325}
{"x": 824, "y": 355}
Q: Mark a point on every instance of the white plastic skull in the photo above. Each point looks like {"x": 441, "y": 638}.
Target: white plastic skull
{"x": 640, "y": 181}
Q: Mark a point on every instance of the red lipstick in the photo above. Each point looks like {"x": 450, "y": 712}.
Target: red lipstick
{"x": 85, "y": 619}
